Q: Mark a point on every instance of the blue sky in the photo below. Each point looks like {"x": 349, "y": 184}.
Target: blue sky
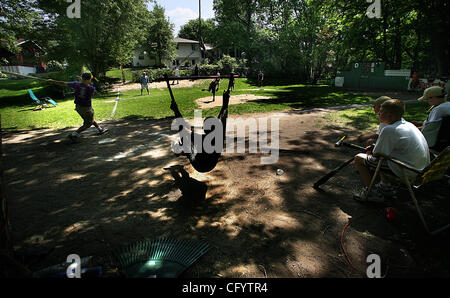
{"x": 181, "y": 11}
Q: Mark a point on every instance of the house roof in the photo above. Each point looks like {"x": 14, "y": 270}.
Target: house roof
{"x": 22, "y": 42}
{"x": 183, "y": 40}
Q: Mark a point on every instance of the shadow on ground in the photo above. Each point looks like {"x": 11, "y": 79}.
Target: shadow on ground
{"x": 107, "y": 191}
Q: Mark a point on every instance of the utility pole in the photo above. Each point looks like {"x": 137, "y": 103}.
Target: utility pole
{"x": 200, "y": 44}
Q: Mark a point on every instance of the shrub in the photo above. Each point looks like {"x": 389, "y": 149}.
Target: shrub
{"x": 153, "y": 74}
{"x": 54, "y": 66}
{"x": 208, "y": 69}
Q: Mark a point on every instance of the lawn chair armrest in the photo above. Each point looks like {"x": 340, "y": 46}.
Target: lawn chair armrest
{"x": 400, "y": 163}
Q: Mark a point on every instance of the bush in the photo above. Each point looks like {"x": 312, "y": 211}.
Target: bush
{"x": 54, "y": 66}
{"x": 227, "y": 64}
{"x": 153, "y": 74}
{"x": 208, "y": 69}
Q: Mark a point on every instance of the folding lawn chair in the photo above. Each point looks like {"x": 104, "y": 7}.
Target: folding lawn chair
{"x": 443, "y": 136}
{"x": 436, "y": 170}
{"x": 42, "y": 102}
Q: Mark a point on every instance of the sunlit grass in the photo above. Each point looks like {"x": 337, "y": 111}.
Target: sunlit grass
{"x": 364, "y": 119}
{"x": 16, "y": 105}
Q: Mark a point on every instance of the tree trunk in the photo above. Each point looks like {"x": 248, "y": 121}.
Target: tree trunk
{"x": 5, "y": 241}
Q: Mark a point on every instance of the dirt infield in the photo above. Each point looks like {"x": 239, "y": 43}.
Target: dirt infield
{"x": 107, "y": 191}
{"x": 206, "y": 102}
{"x": 158, "y": 85}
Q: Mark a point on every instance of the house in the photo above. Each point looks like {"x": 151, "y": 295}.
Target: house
{"x": 188, "y": 54}
{"x": 29, "y": 58}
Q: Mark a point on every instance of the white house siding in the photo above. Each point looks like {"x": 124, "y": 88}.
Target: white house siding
{"x": 19, "y": 69}
{"x": 142, "y": 62}
{"x": 184, "y": 53}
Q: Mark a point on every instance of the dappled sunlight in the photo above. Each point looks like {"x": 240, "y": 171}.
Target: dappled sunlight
{"x": 78, "y": 226}
{"x": 114, "y": 189}
{"x": 69, "y": 177}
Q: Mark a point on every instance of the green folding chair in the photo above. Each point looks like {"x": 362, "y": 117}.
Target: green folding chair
{"x": 436, "y": 170}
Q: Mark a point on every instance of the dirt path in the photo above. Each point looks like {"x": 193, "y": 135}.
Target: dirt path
{"x": 111, "y": 190}
{"x": 206, "y": 102}
{"x": 158, "y": 85}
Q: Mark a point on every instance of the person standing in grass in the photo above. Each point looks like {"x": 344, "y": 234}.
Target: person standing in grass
{"x": 144, "y": 82}
{"x": 83, "y": 103}
{"x": 260, "y": 78}
{"x": 177, "y": 74}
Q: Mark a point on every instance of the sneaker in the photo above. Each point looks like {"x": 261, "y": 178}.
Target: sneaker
{"x": 386, "y": 190}
{"x": 102, "y": 131}
{"x": 72, "y": 138}
{"x": 374, "y": 196}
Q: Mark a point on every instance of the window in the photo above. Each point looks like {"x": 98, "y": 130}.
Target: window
{"x": 141, "y": 57}
{"x": 193, "y": 47}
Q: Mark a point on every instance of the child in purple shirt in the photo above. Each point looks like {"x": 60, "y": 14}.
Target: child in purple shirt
{"x": 83, "y": 103}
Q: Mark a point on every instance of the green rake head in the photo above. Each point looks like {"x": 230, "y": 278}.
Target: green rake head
{"x": 159, "y": 258}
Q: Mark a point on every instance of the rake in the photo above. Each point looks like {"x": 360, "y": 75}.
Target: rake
{"x": 159, "y": 258}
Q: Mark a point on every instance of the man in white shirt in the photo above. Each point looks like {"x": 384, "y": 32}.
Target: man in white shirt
{"x": 399, "y": 139}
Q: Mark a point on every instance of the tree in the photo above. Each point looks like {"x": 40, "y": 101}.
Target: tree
{"x": 106, "y": 32}
{"x": 159, "y": 35}
{"x": 190, "y": 30}
{"x": 17, "y": 20}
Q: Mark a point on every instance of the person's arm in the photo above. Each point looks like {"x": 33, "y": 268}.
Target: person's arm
{"x": 59, "y": 83}
{"x": 417, "y": 123}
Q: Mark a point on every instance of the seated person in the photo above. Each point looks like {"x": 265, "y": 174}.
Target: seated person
{"x": 399, "y": 139}
{"x": 372, "y": 137}
{"x": 435, "y": 96}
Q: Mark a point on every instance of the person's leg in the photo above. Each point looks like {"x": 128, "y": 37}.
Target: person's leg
{"x": 87, "y": 114}
{"x": 142, "y": 87}
{"x": 223, "y": 114}
{"x": 362, "y": 168}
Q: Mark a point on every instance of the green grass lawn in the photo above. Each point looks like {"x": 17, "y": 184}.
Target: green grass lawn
{"x": 365, "y": 119}
{"x": 17, "y": 114}
{"x": 117, "y": 73}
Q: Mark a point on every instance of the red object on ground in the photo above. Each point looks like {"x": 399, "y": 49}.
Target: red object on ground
{"x": 391, "y": 214}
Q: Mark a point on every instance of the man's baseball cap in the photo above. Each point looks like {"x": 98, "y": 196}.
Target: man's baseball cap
{"x": 379, "y": 101}
{"x": 431, "y": 92}
{"x": 86, "y": 76}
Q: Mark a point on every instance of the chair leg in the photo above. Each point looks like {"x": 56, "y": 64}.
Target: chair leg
{"x": 416, "y": 203}
{"x": 374, "y": 176}
{"x": 411, "y": 192}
